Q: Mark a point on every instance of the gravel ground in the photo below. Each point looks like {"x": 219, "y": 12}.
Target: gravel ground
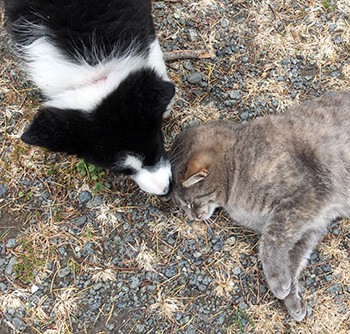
{"x": 83, "y": 251}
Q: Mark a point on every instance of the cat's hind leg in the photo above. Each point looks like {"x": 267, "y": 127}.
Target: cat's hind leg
{"x": 298, "y": 257}
{"x": 275, "y": 263}
{"x": 278, "y": 237}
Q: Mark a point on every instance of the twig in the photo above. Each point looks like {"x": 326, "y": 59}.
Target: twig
{"x": 187, "y": 54}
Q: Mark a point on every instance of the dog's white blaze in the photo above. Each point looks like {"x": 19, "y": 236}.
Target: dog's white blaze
{"x": 155, "y": 181}
{"x": 79, "y": 85}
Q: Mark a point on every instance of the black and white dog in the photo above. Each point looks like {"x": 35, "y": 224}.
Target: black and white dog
{"x": 100, "y": 66}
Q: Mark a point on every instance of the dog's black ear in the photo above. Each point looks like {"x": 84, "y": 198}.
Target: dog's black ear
{"x": 58, "y": 130}
{"x": 164, "y": 92}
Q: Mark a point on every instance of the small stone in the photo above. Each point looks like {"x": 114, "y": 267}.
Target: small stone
{"x": 62, "y": 250}
{"x": 158, "y": 5}
{"x": 244, "y": 116}
{"x": 19, "y": 324}
{"x": 308, "y": 311}
{"x": 309, "y": 281}
{"x": 98, "y": 200}
{"x": 85, "y": 196}
{"x": 171, "y": 271}
{"x": 197, "y": 254}
{"x": 235, "y": 94}
{"x": 135, "y": 282}
{"x": 225, "y": 22}
{"x": 3, "y": 287}
{"x": 98, "y": 286}
{"x": 11, "y": 243}
{"x": 3, "y": 190}
{"x": 243, "y": 306}
{"x": 11, "y": 311}
{"x": 275, "y": 102}
{"x": 312, "y": 301}
{"x": 95, "y": 306}
{"x": 187, "y": 66}
{"x": 220, "y": 319}
{"x": 34, "y": 289}
{"x": 335, "y": 289}
{"x": 341, "y": 308}
{"x": 335, "y": 74}
{"x": 177, "y": 13}
{"x": 80, "y": 221}
{"x": 140, "y": 328}
{"x": 236, "y": 270}
{"x": 218, "y": 246}
{"x": 329, "y": 278}
{"x": 9, "y": 267}
{"x": 88, "y": 248}
{"x": 192, "y": 35}
{"x": 63, "y": 272}
{"x": 194, "y": 78}
{"x": 110, "y": 326}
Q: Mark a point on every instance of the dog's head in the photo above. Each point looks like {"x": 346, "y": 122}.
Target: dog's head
{"x": 122, "y": 134}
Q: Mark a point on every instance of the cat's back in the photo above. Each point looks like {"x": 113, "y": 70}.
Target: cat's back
{"x": 319, "y": 117}
{"x": 322, "y": 124}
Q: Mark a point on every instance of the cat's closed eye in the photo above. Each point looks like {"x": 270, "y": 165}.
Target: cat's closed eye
{"x": 190, "y": 205}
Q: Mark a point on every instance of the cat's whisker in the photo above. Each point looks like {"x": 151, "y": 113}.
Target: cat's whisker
{"x": 212, "y": 222}
{"x": 206, "y": 222}
{"x": 174, "y": 157}
{"x": 177, "y": 150}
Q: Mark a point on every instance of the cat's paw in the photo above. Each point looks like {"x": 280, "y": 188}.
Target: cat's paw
{"x": 279, "y": 283}
{"x": 296, "y": 306}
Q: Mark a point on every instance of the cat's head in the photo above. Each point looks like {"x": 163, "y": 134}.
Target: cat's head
{"x": 195, "y": 180}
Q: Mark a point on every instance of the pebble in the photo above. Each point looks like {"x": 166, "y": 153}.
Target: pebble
{"x": 235, "y": 94}
{"x": 80, "y": 221}
{"x": 85, "y": 196}
{"x": 11, "y": 243}
{"x": 19, "y": 324}
{"x": 140, "y": 328}
{"x": 135, "y": 282}
{"x": 88, "y": 248}
{"x": 171, "y": 271}
{"x": 192, "y": 35}
{"x": 225, "y": 22}
{"x": 236, "y": 271}
{"x": 335, "y": 289}
{"x": 194, "y": 78}
{"x": 243, "y": 306}
{"x": 9, "y": 267}
{"x": 97, "y": 201}
{"x": 63, "y": 272}
{"x": 95, "y": 306}
{"x": 3, "y": 190}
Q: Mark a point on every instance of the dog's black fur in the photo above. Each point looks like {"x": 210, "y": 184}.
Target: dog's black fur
{"x": 127, "y": 120}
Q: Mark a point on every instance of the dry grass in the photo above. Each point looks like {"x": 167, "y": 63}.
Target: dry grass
{"x": 271, "y": 31}
{"x": 166, "y": 306}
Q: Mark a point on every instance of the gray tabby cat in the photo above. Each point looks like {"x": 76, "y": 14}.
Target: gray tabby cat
{"x": 286, "y": 176}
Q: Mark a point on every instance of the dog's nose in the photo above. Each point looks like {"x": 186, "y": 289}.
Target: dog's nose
{"x": 168, "y": 190}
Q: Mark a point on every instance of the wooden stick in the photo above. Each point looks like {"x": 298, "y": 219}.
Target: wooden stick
{"x": 187, "y": 54}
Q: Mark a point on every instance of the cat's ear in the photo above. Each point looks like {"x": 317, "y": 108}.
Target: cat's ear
{"x": 197, "y": 169}
{"x": 195, "y": 178}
